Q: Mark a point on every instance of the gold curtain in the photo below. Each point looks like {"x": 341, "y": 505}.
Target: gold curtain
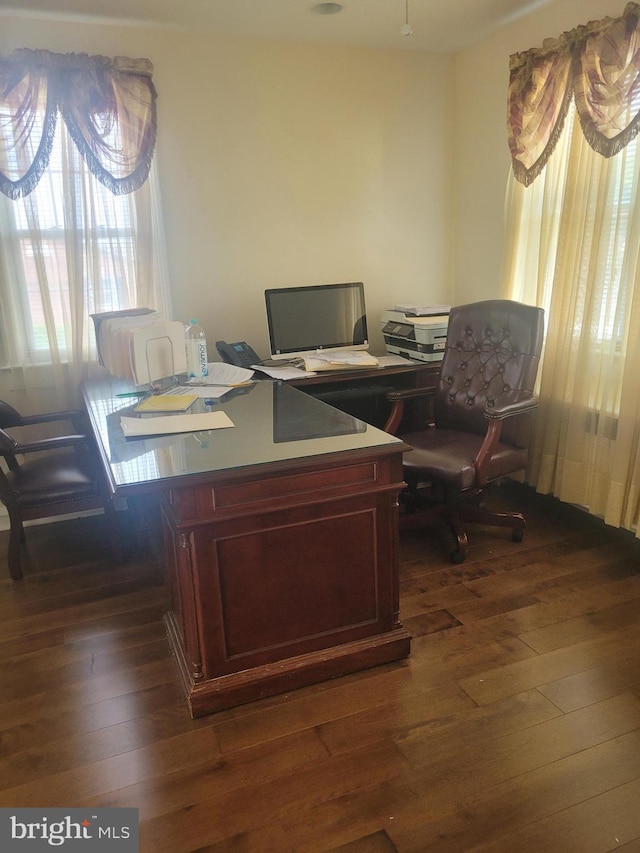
{"x": 573, "y": 247}
{"x": 598, "y": 65}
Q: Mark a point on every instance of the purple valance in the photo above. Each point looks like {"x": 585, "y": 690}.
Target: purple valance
{"x": 597, "y": 65}
{"x": 108, "y": 106}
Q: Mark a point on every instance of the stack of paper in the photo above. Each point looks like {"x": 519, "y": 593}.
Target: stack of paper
{"x": 416, "y": 310}
{"x": 285, "y": 372}
{"x": 157, "y": 351}
{"x": 345, "y": 360}
{"x": 135, "y": 315}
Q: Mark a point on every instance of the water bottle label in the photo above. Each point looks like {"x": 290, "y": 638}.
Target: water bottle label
{"x": 197, "y": 362}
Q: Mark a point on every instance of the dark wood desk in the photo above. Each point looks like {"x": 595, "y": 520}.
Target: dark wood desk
{"x": 362, "y": 393}
{"x": 281, "y": 540}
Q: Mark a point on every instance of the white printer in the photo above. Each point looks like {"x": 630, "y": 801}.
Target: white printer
{"x": 415, "y": 331}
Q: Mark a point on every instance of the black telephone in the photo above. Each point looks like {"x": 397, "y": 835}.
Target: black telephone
{"x": 239, "y": 353}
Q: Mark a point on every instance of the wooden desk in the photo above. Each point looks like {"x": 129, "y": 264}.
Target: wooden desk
{"x": 362, "y": 393}
{"x": 281, "y": 540}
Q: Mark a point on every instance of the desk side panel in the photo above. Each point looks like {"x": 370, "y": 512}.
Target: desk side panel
{"x": 282, "y": 590}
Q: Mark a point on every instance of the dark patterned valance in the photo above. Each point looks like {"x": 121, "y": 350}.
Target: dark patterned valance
{"x": 598, "y": 65}
{"x": 108, "y": 106}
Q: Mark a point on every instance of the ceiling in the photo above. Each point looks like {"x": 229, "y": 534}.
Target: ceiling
{"x": 438, "y": 25}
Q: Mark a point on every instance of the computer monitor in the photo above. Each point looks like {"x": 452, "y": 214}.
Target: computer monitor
{"x": 324, "y": 317}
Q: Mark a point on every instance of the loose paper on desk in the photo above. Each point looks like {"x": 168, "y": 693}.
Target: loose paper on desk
{"x": 206, "y": 391}
{"x": 394, "y": 361}
{"x": 165, "y": 424}
{"x": 346, "y": 360}
{"x": 284, "y": 372}
{"x": 221, "y": 373}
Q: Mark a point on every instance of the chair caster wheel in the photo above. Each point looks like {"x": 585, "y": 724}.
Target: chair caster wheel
{"x": 517, "y": 535}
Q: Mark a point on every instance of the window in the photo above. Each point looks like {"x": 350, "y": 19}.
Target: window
{"x": 73, "y": 249}
{"x": 576, "y": 224}
{"x": 79, "y": 222}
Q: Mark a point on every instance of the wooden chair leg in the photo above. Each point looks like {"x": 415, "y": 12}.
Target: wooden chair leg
{"x": 16, "y": 538}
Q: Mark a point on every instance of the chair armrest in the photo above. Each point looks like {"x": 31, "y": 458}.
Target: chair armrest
{"x": 397, "y": 398}
{"x": 7, "y": 443}
{"x": 496, "y": 415}
{"x": 510, "y": 407}
{"x": 55, "y": 443}
{"x": 410, "y": 393}
{"x": 76, "y": 416}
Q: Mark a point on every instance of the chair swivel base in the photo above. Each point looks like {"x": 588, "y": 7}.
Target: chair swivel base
{"x": 415, "y": 519}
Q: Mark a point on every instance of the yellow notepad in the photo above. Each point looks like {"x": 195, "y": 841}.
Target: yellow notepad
{"x": 166, "y": 403}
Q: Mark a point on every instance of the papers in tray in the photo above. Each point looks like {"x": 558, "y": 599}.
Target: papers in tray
{"x": 163, "y": 425}
{"x": 157, "y": 351}
{"x": 416, "y": 310}
{"x": 140, "y": 346}
{"x": 339, "y": 361}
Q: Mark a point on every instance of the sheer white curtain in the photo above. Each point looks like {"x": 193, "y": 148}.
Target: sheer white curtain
{"x": 68, "y": 249}
{"x": 80, "y": 230}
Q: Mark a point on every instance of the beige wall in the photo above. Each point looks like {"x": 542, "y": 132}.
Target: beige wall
{"x": 283, "y": 164}
{"x": 481, "y": 154}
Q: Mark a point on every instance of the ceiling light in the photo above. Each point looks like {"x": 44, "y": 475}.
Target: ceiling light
{"x": 327, "y": 8}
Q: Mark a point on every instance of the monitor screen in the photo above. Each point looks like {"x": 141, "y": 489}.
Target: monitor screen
{"x": 317, "y": 317}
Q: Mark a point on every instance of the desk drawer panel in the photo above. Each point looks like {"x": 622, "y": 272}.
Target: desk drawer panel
{"x": 295, "y": 485}
{"x": 202, "y": 502}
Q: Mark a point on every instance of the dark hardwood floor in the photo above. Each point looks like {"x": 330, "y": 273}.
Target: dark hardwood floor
{"x": 514, "y": 726}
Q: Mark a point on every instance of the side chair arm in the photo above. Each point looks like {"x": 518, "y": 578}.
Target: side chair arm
{"x": 55, "y": 443}
{"x": 8, "y": 443}
{"x": 77, "y": 417}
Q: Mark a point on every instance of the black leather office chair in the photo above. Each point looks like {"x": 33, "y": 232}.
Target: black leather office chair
{"x": 482, "y": 408}
{"x": 59, "y": 475}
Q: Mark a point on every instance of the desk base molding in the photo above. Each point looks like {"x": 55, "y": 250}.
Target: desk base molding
{"x": 259, "y": 682}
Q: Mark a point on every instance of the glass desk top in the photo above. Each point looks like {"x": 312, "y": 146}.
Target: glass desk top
{"x": 272, "y": 423}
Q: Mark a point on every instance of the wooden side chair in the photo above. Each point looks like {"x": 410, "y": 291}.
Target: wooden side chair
{"x": 48, "y": 477}
{"x": 482, "y": 407}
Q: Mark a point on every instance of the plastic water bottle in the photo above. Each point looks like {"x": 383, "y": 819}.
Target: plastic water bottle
{"x": 196, "y": 344}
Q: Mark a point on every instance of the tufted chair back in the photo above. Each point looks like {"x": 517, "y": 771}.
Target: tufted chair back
{"x": 492, "y": 354}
